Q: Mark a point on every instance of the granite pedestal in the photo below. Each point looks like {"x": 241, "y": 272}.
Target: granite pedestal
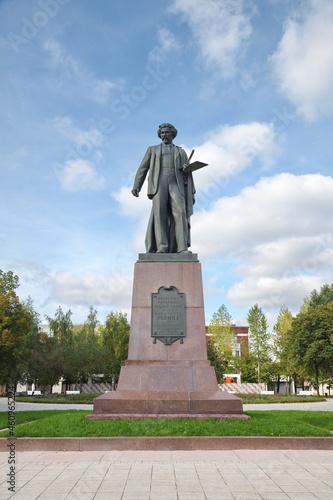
{"x": 167, "y": 376}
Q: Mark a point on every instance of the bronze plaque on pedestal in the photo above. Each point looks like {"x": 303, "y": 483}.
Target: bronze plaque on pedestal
{"x": 168, "y": 315}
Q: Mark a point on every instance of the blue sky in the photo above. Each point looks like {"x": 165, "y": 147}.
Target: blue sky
{"x": 248, "y": 84}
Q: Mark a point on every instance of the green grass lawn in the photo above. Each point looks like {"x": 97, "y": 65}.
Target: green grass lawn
{"x": 279, "y": 398}
{"x": 85, "y": 398}
{"x": 72, "y": 423}
{"x": 246, "y": 398}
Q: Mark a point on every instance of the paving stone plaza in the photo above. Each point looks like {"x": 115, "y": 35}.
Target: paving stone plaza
{"x": 177, "y": 475}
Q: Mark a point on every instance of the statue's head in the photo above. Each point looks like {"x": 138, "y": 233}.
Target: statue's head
{"x": 173, "y": 130}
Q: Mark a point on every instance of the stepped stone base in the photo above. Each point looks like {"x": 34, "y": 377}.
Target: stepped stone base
{"x": 157, "y": 404}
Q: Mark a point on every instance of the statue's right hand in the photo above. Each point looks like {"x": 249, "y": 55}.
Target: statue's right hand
{"x": 135, "y": 192}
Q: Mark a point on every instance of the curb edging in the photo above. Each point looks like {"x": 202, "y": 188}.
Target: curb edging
{"x": 168, "y": 443}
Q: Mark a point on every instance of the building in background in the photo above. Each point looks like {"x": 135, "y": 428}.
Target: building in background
{"x": 240, "y": 349}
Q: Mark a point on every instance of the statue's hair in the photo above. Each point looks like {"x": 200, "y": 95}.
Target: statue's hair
{"x": 174, "y": 131}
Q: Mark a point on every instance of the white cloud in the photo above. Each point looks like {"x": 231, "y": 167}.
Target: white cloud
{"x": 167, "y": 44}
{"x": 212, "y": 290}
{"x": 282, "y": 206}
{"x": 303, "y": 61}
{"x": 138, "y": 208}
{"x": 221, "y": 29}
{"x": 59, "y": 57}
{"x": 77, "y": 173}
{"x": 74, "y": 73}
{"x": 31, "y": 272}
{"x": 131, "y": 206}
{"x": 287, "y": 255}
{"x": 278, "y": 233}
{"x": 89, "y": 288}
{"x": 101, "y": 91}
{"x": 231, "y": 149}
{"x": 83, "y": 139}
{"x": 80, "y": 174}
{"x": 272, "y": 293}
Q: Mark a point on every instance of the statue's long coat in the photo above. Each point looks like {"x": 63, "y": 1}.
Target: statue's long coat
{"x": 152, "y": 163}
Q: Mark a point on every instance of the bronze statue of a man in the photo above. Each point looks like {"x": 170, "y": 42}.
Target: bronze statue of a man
{"x": 171, "y": 188}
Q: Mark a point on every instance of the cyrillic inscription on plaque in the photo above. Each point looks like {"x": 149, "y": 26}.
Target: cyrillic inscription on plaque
{"x": 168, "y": 315}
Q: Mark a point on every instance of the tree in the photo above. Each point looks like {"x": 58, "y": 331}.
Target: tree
{"x": 72, "y": 352}
{"x": 61, "y": 325}
{"x": 324, "y": 297}
{"x": 222, "y": 336}
{"x": 259, "y": 339}
{"x": 91, "y": 323}
{"x": 283, "y": 347}
{"x": 215, "y": 359}
{"x": 16, "y": 322}
{"x": 313, "y": 341}
{"x": 8, "y": 282}
{"x": 115, "y": 339}
{"x": 32, "y": 341}
{"x": 82, "y": 356}
{"x": 47, "y": 364}
{"x": 246, "y": 366}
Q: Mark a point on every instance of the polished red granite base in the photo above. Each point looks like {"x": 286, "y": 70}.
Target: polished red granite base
{"x": 170, "y": 380}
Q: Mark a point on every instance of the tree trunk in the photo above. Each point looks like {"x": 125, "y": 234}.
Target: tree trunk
{"x": 317, "y": 380}
{"x": 258, "y": 372}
